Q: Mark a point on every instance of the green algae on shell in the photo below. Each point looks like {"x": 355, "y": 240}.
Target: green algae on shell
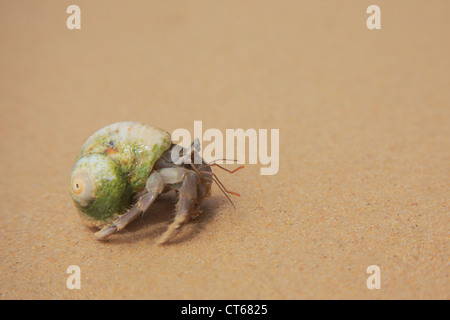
{"x": 113, "y": 165}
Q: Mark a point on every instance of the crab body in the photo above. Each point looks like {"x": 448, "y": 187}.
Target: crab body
{"x": 123, "y": 167}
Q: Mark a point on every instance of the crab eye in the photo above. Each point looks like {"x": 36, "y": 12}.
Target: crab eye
{"x": 82, "y": 189}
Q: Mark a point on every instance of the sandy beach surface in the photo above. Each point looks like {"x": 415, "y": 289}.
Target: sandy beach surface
{"x": 364, "y": 146}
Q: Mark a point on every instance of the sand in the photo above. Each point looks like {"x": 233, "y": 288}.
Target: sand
{"x": 364, "y": 146}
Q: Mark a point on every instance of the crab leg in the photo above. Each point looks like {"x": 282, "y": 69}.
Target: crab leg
{"x": 154, "y": 188}
{"x": 185, "y": 205}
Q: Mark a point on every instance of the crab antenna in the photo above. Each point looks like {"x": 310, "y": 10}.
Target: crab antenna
{"x": 224, "y": 159}
{"x": 219, "y": 182}
{"x": 196, "y": 170}
{"x": 222, "y": 187}
{"x": 224, "y": 192}
{"x": 216, "y": 179}
{"x": 223, "y": 168}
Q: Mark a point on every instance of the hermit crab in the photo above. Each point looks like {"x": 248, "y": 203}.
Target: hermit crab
{"x": 122, "y": 168}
